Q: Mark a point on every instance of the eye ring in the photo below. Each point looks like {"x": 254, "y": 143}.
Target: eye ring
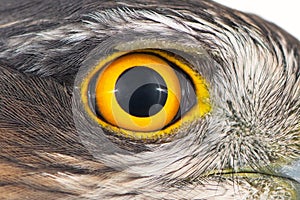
{"x": 105, "y": 93}
{"x": 197, "y": 110}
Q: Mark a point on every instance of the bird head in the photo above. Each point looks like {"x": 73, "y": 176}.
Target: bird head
{"x": 146, "y": 100}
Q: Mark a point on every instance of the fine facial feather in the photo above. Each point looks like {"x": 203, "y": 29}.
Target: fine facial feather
{"x": 254, "y": 85}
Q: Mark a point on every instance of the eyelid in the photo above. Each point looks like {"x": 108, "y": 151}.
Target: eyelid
{"x": 201, "y": 65}
{"x": 201, "y": 108}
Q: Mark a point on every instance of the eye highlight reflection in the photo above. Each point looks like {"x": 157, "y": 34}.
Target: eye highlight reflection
{"x": 144, "y": 94}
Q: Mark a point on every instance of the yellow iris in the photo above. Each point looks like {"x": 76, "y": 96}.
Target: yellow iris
{"x": 112, "y": 111}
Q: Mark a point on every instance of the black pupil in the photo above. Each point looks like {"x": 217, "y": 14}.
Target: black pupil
{"x": 141, "y": 91}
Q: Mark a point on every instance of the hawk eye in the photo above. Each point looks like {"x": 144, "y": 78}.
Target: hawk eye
{"x": 144, "y": 94}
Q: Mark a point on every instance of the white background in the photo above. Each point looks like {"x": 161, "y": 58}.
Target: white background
{"x": 284, "y": 13}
